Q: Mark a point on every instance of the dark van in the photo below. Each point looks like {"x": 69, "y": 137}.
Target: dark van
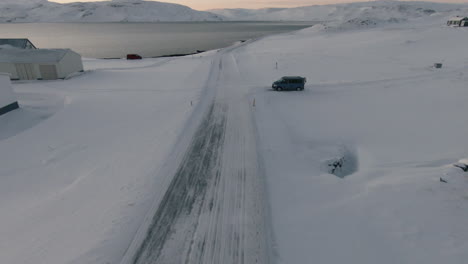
{"x": 290, "y": 83}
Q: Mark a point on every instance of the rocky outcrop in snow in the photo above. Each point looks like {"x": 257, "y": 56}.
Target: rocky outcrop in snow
{"x": 108, "y": 11}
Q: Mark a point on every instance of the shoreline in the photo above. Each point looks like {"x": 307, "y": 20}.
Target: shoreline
{"x": 178, "y": 54}
{"x": 149, "y": 40}
{"x": 162, "y": 56}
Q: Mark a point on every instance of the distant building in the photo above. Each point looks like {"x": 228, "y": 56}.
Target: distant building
{"x": 7, "y": 98}
{"x": 17, "y": 43}
{"x": 40, "y": 64}
{"x": 458, "y": 22}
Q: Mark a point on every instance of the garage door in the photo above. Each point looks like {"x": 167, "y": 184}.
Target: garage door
{"x": 25, "y": 71}
{"x": 48, "y": 72}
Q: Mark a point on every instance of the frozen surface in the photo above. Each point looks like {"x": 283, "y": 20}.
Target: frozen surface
{"x": 85, "y": 164}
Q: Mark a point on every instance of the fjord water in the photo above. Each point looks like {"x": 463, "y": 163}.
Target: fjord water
{"x": 115, "y": 40}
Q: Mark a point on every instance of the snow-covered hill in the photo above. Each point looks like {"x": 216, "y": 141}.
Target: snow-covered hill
{"x": 361, "y": 14}
{"x": 108, "y": 11}
{"x": 347, "y": 15}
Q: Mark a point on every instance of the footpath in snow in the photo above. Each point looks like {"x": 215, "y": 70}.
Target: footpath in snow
{"x": 88, "y": 164}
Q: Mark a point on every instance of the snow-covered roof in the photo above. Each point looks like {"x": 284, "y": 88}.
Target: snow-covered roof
{"x": 32, "y": 56}
{"x": 292, "y": 77}
{"x": 458, "y": 18}
{"x": 18, "y": 43}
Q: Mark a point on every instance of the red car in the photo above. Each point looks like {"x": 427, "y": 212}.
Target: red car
{"x": 133, "y": 57}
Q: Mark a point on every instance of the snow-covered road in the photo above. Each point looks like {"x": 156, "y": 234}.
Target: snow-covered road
{"x": 214, "y": 209}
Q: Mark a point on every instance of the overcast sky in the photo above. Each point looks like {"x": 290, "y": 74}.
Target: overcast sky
{"x": 211, "y": 4}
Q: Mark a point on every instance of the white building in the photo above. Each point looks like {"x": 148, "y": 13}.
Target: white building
{"x": 39, "y": 64}
{"x": 7, "y": 98}
{"x": 458, "y": 21}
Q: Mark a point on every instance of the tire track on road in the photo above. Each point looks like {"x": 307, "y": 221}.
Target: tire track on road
{"x": 214, "y": 209}
{"x": 186, "y": 193}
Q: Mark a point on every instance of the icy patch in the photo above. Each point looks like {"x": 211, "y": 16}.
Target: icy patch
{"x": 343, "y": 164}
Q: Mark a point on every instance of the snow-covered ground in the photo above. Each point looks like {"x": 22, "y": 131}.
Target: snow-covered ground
{"x": 85, "y": 160}
{"x": 372, "y": 97}
{"x": 78, "y": 161}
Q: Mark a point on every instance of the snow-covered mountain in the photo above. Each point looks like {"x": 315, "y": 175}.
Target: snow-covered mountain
{"x": 353, "y": 14}
{"x": 361, "y": 13}
{"x": 108, "y": 11}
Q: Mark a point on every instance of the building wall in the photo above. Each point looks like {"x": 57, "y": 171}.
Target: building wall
{"x": 48, "y": 71}
{"x": 9, "y": 68}
{"x": 7, "y": 97}
{"x": 69, "y": 64}
{"x": 458, "y": 23}
{"x": 32, "y": 68}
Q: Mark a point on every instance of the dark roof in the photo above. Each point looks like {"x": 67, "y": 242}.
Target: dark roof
{"x": 18, "y": 43}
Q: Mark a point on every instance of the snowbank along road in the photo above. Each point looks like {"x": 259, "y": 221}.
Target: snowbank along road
{"x": 213, "y": 210}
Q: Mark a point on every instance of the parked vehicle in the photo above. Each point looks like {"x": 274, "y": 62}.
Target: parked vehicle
{"x": 289, "y": 83}
{"x": 133, "y": 57}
